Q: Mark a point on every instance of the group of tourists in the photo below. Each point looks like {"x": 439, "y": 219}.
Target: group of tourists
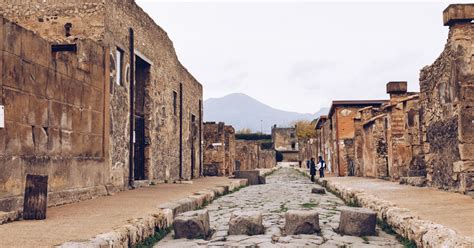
{"x": 313, "y": 167}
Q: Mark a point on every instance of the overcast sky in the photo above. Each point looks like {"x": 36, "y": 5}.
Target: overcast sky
{"x": 298, "y": 56}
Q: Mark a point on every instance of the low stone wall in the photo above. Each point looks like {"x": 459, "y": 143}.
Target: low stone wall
{"x": 137, "y": 230}
{"x": 405, "y": 223}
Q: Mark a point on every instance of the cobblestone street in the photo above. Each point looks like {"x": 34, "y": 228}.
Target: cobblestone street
{"x": 286, "y": 189}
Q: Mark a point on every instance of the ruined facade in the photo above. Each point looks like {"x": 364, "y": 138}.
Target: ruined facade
{"x": 342, "y": 133}
{"x": 447, "y": 102}
{"x": 219, "y": 149}
{"x": 66, "y": 90}
{"x": 285, "y": 141}
{"x": 251, "y": 155}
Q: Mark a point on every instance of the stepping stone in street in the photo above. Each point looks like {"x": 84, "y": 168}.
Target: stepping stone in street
{"x": 318, "y": 191}
{"x": 357, "y": 221}
{"x": 246, "y": 223}
{"x": 301, "y": 222}
{"x": 192, "y": 225}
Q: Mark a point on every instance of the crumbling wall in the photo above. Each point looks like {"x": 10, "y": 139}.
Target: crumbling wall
{"x": 284, "y": 139}
{"x": 447, "y": 106}
{"x": 54, "y": 113}
{"x": 250, "y": 155}
{"x": 308, "y": 148}
{"x": 404, "y": 139}
{"x": 219, "y": 149}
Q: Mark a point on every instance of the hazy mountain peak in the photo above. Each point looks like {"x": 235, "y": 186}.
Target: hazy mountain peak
{"x": 243, "y": 111}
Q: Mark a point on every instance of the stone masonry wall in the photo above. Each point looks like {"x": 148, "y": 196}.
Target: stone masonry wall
{"x": 219, "y": 149}
{"x": 54, "y": 112}
{"x": 250, "y": 156}
{"x": 447, "y": 104}
{"x": 108, "y": 23}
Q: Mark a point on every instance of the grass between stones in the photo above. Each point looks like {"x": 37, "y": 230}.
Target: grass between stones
{"x": 155, "y": 238}
{"x": 388, "y": 229}
{"x": 309, "y": 205}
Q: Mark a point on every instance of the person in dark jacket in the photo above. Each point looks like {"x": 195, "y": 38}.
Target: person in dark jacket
{"x": 307, "y": 163}
{"x": 322, "y": 166}
{"x": 312, "y": 169}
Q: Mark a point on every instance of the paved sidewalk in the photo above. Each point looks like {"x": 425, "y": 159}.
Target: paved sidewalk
{"x": 450, "y": 209}
{"x": 84, "y": 220}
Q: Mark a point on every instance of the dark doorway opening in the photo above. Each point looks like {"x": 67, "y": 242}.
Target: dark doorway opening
{"x": 142, "y": 76}
{"x": 193, "y": 141}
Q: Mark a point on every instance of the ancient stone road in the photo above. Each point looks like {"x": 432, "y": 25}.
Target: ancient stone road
{"x": 286, "y": 189}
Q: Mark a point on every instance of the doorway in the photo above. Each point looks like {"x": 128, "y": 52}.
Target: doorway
{"x": 142, "y": 76}
{"x": 193, "y": 147}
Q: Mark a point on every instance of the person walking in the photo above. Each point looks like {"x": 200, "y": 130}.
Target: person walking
{"x": 321, "y": 166}
{"x": 312, "y": 169}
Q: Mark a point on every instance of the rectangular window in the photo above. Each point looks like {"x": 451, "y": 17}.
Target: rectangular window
{"x": 175, "y": 102}
{"x": 119, "y": 58}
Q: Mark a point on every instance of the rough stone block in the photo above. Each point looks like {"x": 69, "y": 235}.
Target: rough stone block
{"x": 35, "y": 79}
{"x": 38, "y": 111}
{"x": 301, "y": 222}
{"x": 54, "y": 141}
{"x": 318, "y": 191}
{"x": 262, "y": 180}
{"x": 25, "y": 135}
{"x": 413, "y": 181}
{"x": 466, "y": 151}
{"x": 12, "y": 71}
{"x": 41, "y": 140}
{"x": 455, "y": 13}
{"x": 73, "y": 94}
{"x": 35, "y": 49}
{"x": 246, "y": 223}
{"x": 16, "y": 106}
{"x": 396, "y": 87}
{"x": 13, "y": 33}
{"x": 55, "y": 88}
{"x": 192, "y": 225}
{"x": 250, "y": 175}
{"x": 357, "y": 221}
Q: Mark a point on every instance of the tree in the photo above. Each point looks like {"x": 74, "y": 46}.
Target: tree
{"x": 305, "y": 129}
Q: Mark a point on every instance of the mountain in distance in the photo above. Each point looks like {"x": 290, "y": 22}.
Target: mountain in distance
{"x": 242, "y": 111}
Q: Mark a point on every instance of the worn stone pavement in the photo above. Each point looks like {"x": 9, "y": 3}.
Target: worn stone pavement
{"x": 286, "y": 189}
{"x": 452, "y": 210}
{"x": 84, "y": 220}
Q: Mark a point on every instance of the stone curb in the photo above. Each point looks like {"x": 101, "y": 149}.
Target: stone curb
{"x": 139, "y": 229}
{"x": 404, "y": 222}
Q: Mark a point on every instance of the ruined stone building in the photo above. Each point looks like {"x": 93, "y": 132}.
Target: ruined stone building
{"x": 219, "y": 149}
{"x": 341, "y": 132}
{"x": 387, "y": 140}
{"x": 251, "y": 154}
{"x": 447, "y": 105}
{"x": 95, "y": 98}
{"x": 419, "y": 138}
{"x": 285, "y": 141}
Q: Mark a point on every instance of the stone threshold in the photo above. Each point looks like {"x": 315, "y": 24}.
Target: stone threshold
{"x": 138, "y": 230}
{"x": 404, "y": 222}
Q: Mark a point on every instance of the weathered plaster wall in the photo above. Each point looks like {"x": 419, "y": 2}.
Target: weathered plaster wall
{"x": 54, "y": 112}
